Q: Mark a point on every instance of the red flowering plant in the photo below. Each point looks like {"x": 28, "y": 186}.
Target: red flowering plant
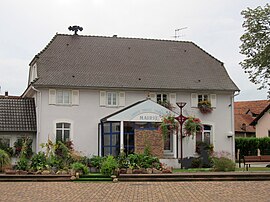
{"x": 168, "y": 124}
{"x": 192, "y": 126}
{"x": 205, "y": 107}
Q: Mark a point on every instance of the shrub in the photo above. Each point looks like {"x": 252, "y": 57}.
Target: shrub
{"x": 79, "y": 167}
{"x": 108, "y": 166}
{"x": 38, "y": 161}
{"x": 122, "y": 160}
{"x": 6, "y": 148}
{"x": 223, "y": 164}
{"x": 247, "y": 146}
{"x": 196, "y": 163}
{"x": 24, "y": 145}
{"x": 264, "y": 145}
{"x": 23, "y": 163}
{"x": 136, "y": 161}
{"x": 96, "y": 161}
{"x": 4, "y": 159}
{"x": 62, "y": 154}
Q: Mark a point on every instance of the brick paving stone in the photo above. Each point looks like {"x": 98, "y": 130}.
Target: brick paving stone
{"x": 135, "y": 191}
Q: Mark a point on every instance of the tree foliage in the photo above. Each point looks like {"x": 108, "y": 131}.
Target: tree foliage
{"x": 256, "y": 45}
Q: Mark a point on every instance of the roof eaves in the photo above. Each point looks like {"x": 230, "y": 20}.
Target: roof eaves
{"x": 132, "y": 88}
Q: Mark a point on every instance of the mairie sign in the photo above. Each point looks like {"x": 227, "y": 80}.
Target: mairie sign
{"x": 147, "y": 117}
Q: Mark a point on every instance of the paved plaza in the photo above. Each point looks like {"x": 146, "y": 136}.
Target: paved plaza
{"x": 135, "y": 191}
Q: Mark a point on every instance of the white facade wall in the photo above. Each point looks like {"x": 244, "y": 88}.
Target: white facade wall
{"x": 85, "y": 117}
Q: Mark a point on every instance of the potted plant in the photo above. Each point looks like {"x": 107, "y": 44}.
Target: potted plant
{"x": 205, "y": 107}
{"x": 192, "y": 126}
{"x": 168, "y": 124}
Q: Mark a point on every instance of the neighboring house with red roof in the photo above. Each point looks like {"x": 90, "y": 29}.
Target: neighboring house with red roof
{"x": 246, "y": 118}
{"x": 262, "y": 122}
{"x": 93, "y": 90}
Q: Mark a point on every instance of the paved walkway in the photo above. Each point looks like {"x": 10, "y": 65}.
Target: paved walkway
{"x": 135, "y": 191}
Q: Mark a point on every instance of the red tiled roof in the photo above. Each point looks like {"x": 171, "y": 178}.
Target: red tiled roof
{"x": 255, "y": 121}
{"x": 241, "y": 115}
{"x": 255, "y": 107}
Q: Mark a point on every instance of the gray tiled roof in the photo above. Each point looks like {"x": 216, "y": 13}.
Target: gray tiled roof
{"x": 17, "y": 114}
{"x": 100, "y": 62}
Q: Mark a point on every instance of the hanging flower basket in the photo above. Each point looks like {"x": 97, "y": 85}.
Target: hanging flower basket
{"x": 168, "y": 124}
{"x": 192, "y": 126}
{"x": 205, "y": 107}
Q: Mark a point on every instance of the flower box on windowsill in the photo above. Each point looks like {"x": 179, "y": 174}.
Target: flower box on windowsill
{"x": 205, "y": 107}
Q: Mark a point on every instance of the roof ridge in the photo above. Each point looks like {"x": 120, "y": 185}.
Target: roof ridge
{"x": 140, "y": 38}
{"x": 148, "y": 39}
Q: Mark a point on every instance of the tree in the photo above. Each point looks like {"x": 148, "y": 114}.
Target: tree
{"x": 256, "y": 45}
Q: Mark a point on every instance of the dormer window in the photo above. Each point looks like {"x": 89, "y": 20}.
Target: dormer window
{"x": 33, "y": 72}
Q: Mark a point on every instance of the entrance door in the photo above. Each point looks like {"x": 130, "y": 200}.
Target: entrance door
{"x": 110, "y": 138}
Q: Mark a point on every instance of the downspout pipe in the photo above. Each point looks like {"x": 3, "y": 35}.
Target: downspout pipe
{"x": 38, "y": 104}
{"x": 232, "y": 124}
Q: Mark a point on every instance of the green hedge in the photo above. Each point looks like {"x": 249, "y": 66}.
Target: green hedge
{"x": 249, "y": 146}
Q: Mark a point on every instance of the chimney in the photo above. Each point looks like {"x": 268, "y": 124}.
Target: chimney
{"x": 6, "y": 93}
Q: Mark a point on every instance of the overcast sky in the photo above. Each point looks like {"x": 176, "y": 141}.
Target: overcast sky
{"x": 214, "y": 25}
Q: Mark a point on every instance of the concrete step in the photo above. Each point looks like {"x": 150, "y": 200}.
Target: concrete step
{"x": 30, "y": 177}
{"x": 211, "y": 176}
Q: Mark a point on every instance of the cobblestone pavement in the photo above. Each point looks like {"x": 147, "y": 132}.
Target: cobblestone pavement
{"x": 135, "y": 191}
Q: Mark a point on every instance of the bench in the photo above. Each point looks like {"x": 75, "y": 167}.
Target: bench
{"x": 255, "y": 160}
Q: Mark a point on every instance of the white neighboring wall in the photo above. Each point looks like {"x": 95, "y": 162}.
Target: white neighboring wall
{"x": 263, "y": 125}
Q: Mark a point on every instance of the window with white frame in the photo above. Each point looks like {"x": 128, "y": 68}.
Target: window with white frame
{"x": 205, "y": 136}
{"x": 63, "y": 97}
{"x": 203, "y": 97}
{"x": 199, "y": 97}
{"x": 33, "y": 72}
{"x": 112, "y": 98}
{"x": 162, "y": 97}
{"x": 63, "y": 132}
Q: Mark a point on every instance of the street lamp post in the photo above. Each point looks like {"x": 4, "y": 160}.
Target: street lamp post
{"x": 181, "y": 119}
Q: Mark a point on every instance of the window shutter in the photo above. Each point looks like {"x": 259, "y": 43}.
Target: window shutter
{"x": 122, "y": 99}
{"x": 173, "y": 99}
{"x": 102, "y": 98}
{"x": 75, "y": 97}
{"x": 194, "y": 100}
{"x": 213, "y": 100}
{"x": 153, "y": 96}
{"x": 52, "y": 96}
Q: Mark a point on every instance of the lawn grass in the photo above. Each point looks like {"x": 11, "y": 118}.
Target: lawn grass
{"x": 193, "y": 170}
{"x": 253, "y": 169}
